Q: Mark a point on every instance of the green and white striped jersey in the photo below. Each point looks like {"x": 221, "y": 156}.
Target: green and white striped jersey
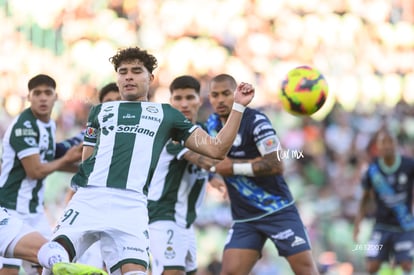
{"x": 24, "y": 137}
{"x": 177, "y": 188}
{"x": 128, "y": 138}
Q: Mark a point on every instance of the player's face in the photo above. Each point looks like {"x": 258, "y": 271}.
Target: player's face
{"x": 42, "y": 99}
{"x": 221, "y": 97}
{"x": 386, "y": 145}
{"x": 187, "y": 101}
{"x": 134, "y": 80}
{"x": 111, "y": 96}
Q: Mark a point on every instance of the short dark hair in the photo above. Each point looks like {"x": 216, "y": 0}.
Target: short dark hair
{"x": 110, "y": 87}
{"x": 225, "y": 77}
{"x": 385, "y": 131}
{"x": 184, "y": 82}
{"x": 132, "y": 53}
{"x": 41, "y": 79}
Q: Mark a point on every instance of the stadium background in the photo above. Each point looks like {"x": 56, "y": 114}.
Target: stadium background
{"x": 365, "y": 48}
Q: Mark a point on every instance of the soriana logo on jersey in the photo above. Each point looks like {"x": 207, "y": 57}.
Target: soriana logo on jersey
{"x": 134, "y": 129}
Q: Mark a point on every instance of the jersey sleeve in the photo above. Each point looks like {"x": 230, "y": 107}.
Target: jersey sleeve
{"x": 92, "y": 127}
{"x": 182, "y": 127}
{"x": 24, "y": 138}
{"x": 264, "y": 135}
{"x": 176, "y": 149}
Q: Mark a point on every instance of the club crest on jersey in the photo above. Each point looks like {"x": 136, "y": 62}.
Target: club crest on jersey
{"x": 152, "y": 109}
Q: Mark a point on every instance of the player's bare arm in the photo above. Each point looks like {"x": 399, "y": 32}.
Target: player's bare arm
{"x": 87, "y": 152}
{"x": 217, "y": 147}
{"x": 35, "y": 169}
{"x": 70, "y": 168}
{"x": 266, "y": 165}
{"x": 200, "y": 160}
{"x": 363, "y": 208}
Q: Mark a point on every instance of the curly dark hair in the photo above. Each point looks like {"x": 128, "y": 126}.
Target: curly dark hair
{"x": 133, "y": 53}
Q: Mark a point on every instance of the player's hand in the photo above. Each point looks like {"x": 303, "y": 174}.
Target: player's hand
{"x": 244, "y": 93}
{"x": 224, "y": 167}
{"x": 74, "y": 154}
{"x": 218, "y": 183}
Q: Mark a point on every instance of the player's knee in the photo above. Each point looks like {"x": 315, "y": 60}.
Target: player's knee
{"x": 406, "y": 266}
{"x": 373, "y": 266}
{"x": 9, "y": 271}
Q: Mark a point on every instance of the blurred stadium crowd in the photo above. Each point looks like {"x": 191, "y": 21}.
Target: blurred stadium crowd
{"x": 365, "y": 48}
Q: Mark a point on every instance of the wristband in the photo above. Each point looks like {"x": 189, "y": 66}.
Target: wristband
{"x": 238, "y": 107}
{"x": 244, "y": 169}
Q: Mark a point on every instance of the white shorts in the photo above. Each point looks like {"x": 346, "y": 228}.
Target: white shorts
{"x": 118, "y": 218}
{"x": 93, "y": 256}
{"x": 13, "y": 226}
{"x": 10, "y": 228}
{"x": 36, "y": 220}
{"x": 172, "y": 247}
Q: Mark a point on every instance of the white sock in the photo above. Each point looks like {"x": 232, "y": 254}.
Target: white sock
{"x": 51, "y": 253}
{"x": 46, "y": 271}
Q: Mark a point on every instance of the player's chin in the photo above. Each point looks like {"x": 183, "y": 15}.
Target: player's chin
{"x": 223, "y": 111}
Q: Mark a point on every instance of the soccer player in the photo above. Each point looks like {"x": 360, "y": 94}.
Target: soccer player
{"x": 28, "y": 158}
{"x": 389, "y": 182}
{"x": 176, "y": 192}
{"x": 261, "y": 204}
{"x": 122, "y": 144}
{"x": 109, "y": 92}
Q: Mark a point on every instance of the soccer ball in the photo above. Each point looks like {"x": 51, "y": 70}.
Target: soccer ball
{"x": 303, "y": 91}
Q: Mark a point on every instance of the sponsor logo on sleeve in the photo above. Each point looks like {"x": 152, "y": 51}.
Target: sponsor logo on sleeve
{"x": 90, "y": 132}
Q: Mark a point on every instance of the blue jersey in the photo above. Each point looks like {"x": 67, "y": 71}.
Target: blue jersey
{"x": 393, "y": 187}
{"x": 253, "y": 197}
